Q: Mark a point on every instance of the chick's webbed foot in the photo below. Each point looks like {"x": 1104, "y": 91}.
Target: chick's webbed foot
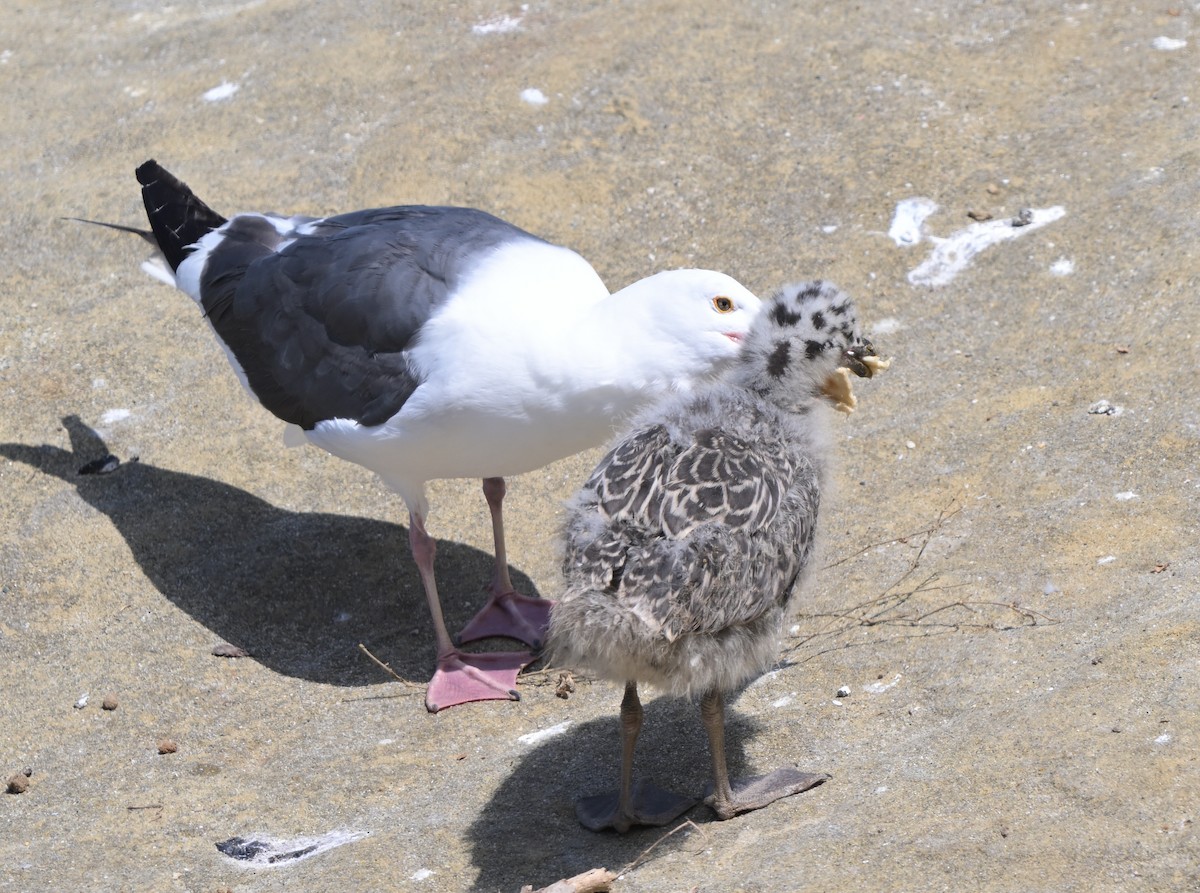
{"x": 757, "y": 791}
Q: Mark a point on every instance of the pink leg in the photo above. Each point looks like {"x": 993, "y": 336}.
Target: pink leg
{"x": 460, "y": 677}
{"x": 507, "y": 612}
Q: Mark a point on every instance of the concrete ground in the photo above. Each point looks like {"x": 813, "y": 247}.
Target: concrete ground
{"x": 1010, "y": 574}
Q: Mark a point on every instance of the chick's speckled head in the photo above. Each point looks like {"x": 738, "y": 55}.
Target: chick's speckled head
{"x": 804, "y": 344}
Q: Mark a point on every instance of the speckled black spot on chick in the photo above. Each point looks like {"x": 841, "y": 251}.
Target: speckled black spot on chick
{"x": 778, "y": 362}
{"x": 814, "y": 290}
{"x": 784, "y": 315}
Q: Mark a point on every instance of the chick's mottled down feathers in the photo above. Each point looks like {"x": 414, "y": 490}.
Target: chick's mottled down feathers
{"x": 685, "y": 544}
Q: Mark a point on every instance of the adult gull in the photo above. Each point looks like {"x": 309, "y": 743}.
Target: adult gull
{"x": 687, "y": 542}
{"x": 433, "y": 342}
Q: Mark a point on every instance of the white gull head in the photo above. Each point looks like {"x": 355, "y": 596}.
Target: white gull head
{"x": 696, "y": 319}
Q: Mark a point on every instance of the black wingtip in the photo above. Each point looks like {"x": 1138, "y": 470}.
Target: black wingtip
{"x": 177, "y": 216}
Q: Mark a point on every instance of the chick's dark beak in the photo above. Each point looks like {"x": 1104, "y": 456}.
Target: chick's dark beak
{"x": 862, "y": 361}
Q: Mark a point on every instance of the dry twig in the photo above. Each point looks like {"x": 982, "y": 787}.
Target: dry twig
{"x": 393, "y": 673}
{"x": 889, "y": 607}
{"x": 596, "y": 880}
{"x": 943, "y": 516}
{"x": 544, "y": 675}
{"x": 599, "y": 880}
{"x": 641, "y": 857}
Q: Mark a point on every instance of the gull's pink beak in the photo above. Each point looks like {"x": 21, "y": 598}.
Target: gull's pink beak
{"x": 735, "y": 337}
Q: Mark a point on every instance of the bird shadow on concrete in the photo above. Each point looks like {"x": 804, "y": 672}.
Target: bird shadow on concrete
{"x": 297, "y": 590}
{"x": 527, "y": 833}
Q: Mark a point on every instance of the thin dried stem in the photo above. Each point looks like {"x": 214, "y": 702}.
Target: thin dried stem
{"x": 543, "y": 673}
{"x": 888, "y": 606}
{"x": 642, "y": 856}
{"x": 386, "y": 668}
{"x": 595, "y": 880}
{"x": 944, "y": 515}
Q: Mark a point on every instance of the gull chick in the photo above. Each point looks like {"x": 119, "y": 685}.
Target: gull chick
{"x": 689, "y": 539}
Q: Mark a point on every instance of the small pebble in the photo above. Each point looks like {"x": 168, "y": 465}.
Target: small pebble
{"x": 993, "y": 189}
{"x": 166, "y": 745}
{"x": 1024, "y": 217}
{"x": 227, "y": 650}
{"x": 18, "y": 783}
{"x": 109, "y": 703}
{"x": 979, "y": 215}
{"x": 843, "y": 692}
{"x": 82, "y": 702}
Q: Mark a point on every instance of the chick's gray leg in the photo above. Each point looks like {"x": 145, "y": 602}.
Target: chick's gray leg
{"x": 639, "y": 803}
{"x": 727, "y": 798}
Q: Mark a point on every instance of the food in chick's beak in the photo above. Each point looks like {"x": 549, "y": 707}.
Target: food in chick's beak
{"x": 862, "y": 361}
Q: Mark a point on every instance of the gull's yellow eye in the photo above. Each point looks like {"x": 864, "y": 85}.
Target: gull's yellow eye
{"x": 723, "y": 304}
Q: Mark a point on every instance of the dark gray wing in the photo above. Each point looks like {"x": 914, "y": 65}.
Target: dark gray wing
{"x": 723, "y": 478}
{"x": 321, "y": 326}
{"x": 730, "y": 544}
{"x": 616, "y": 507}
{"x": 629, "y": 480}
{"x": 694, "y": 539}
{"x": 647, "y": 481}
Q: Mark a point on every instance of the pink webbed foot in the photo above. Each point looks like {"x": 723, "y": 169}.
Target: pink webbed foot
{"x": 461, "y": 678}
{"x": 511, "y": 615}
